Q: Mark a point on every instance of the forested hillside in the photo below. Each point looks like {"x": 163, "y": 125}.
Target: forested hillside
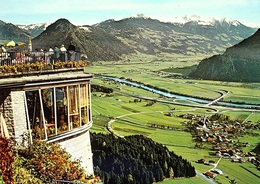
{"x": 135, "y": 159}
{"x": 239, "y": 63}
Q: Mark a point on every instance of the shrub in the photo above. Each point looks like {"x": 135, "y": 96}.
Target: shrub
{"x": 48, "y": 162}
{"x": 7, "y": 157}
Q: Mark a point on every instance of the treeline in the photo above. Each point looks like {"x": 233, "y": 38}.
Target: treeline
{"x": 98, "y": 88}
{"x": 135, "y": 160}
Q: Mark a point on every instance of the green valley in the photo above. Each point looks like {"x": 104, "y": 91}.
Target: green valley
{"x": 164, "y": 122}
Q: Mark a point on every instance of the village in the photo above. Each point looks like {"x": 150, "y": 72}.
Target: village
{"x": 220, "y": 134}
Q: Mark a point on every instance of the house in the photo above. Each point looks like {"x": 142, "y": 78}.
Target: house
{"x": 211, "y": 139}
{"x": 201, "y": 161}
{"x": 52, "y": 106}
{"x": 210, "y": 174}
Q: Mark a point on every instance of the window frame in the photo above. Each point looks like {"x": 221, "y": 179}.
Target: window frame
{"x": 77, "y": 87}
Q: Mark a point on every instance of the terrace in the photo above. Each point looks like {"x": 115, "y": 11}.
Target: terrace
{"x": 16, "y": 63}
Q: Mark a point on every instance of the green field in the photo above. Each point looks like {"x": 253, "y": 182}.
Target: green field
{"x": 138, "y": 118}
{"x": 154, "y": 73}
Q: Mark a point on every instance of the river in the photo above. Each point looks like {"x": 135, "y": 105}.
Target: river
{"x": 183, "y": 97}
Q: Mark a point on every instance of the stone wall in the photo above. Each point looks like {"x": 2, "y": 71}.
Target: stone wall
{"x": 7, "y": 110}
{"x": 80, "y": 148}
{"x": 19, "y": 114}
{"x": 13, "y": 109}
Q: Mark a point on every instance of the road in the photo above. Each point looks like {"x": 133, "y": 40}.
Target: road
{"x": 221, "y": 97}
{"x": 109, "y": 127}
{"x": 207, "y": 106}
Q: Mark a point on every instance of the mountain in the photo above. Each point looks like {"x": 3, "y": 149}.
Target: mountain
{"x": 238, "y": 63}
{"x": 96, "y": 43}
{"x": 151, "y": 36}
{"x": 205, "y": 20}
{"x": 34, "y": 29}
{"x": 113, "y": 40}
{"x": 216, "y": 26}
{"x": 12, "y": 32}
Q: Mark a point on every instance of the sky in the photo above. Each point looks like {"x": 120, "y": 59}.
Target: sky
{"x": 89, "y": 12}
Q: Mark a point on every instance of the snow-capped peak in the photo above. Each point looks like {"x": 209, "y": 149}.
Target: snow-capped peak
{"x": 194, "y": 18}
{"x": 34, "y": 26}
{"x": 204, "y": 20}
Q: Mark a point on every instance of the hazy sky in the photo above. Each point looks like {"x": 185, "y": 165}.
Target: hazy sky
{"x": 88, "y": 12}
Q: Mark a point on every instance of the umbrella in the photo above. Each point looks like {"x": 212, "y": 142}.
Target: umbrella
{"x": 13, "y": 43}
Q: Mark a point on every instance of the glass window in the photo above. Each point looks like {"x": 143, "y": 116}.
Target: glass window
{"x": 62, "y": 109}
{"x": 48, "y": 103}
{"x": 89, "y": 102}
{"x": 84, "y": 104}
{"x": 56, "y": 110}
{"x": 73, "y": 99}
{"x": 35, "y": 114}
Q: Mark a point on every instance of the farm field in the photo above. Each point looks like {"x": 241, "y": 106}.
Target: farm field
{"x": 138, "y": 117}
{"x": 153, "y": 73}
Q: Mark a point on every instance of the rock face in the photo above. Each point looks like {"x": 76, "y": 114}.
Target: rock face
{"x": 238, "y": 63}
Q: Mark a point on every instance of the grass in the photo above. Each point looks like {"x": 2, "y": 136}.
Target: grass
{"x": 242, "y": 115}
{"x": 236, "y": 171}
{"x": 158, "y": 72}
{"x": 178, "y": 141}
{"x": 252, "y": 137}
{"x": 194, "y": 180}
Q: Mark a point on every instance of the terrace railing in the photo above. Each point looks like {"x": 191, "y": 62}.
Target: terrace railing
{"x": 17, "y": 64}
{"x": 12, "y": 58}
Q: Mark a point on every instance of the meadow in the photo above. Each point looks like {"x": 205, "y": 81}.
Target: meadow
{"x": 148, "y": 120}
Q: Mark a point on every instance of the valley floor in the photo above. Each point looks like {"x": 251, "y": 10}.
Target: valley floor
{"x": 138, "y": 116}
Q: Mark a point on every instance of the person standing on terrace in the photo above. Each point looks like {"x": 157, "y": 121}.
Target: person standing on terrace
{"x": 56, "y": 53}
{"x": 51, "y": 55}
{"x": 63, "y": 53}
{"x": 3, "y": 54}
{"x": 71, "y": 49}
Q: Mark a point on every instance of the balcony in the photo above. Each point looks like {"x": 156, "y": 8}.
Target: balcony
{"x": 16, "y": 64}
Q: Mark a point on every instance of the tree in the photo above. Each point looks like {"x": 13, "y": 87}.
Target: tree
{"x": 171, "y": 173}
{"x": 130, "y": 179}
{"x": 136, "y": 158}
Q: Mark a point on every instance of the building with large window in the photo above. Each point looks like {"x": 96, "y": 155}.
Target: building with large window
{"x": 52, "y": 106}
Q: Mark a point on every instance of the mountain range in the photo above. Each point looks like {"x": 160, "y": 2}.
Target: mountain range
{"x": 232, "y": 47}
{"x": 115, "y": 39}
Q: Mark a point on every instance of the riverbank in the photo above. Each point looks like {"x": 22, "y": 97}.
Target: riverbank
{"x": 169, "y": 94}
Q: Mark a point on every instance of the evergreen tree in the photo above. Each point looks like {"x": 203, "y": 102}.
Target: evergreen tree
{"x": 126, "y": 161}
